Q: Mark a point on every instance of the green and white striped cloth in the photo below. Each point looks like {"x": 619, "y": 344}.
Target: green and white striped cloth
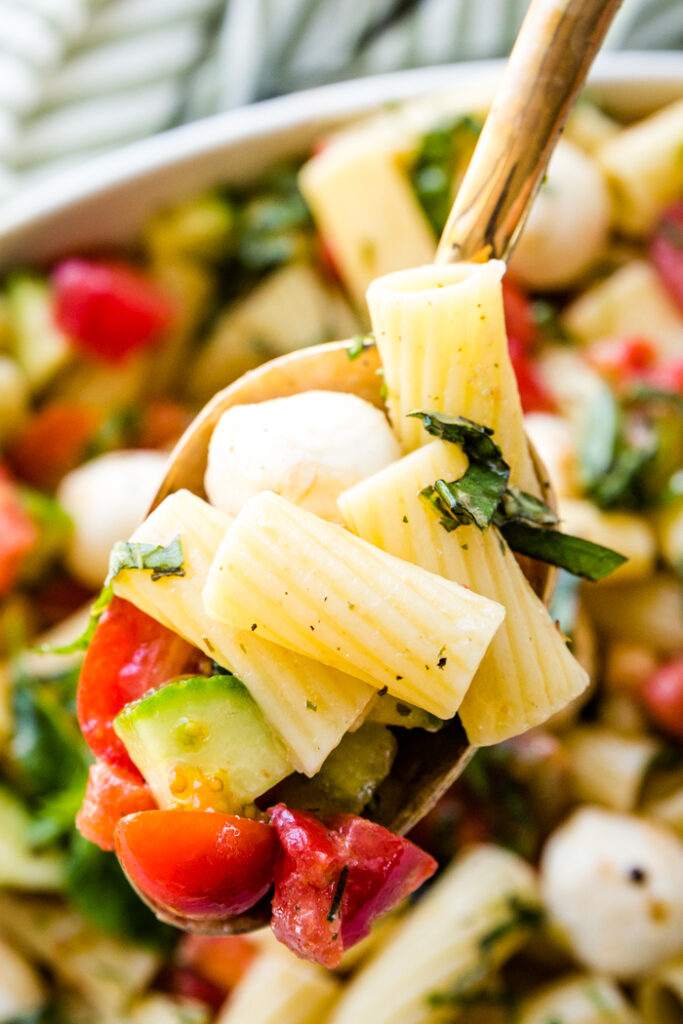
{"x": 78, "y": 77}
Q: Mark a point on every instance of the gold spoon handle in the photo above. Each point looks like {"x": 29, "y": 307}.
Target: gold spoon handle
{"x": 547, "y": 67}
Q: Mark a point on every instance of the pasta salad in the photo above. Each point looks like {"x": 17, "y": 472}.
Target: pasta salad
{"x": 217, "y": 683}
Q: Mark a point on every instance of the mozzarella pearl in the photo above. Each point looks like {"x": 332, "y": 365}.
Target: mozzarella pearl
{"x": 308, "y": 448}
{"x": 613, "y": 888}
{"x": 568, "y": 224}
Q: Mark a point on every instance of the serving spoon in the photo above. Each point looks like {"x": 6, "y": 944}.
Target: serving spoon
{"x": 547, "y": 67}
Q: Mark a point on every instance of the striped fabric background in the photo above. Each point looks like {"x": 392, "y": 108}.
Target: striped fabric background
{"x": 80, "y": 76}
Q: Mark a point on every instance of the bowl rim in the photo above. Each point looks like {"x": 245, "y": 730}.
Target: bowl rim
{"x": 62, "y": 193}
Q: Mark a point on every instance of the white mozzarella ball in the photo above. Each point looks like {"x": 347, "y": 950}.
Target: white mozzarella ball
{"x": 308, "y": 448}
{"x": 613, "y": 888}
{"x": 106, "y": 499}
{"x": 568, "y": 224}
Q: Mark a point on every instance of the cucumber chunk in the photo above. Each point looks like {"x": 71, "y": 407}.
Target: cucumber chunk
{"x": 348, "y": 777}
{"x": 40, "y": 348}
{"x": 203, "y": 743}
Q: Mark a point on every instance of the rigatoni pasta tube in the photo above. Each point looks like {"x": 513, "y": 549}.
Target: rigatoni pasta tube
{"x": 286, "y": 686}
{"x": 474, "y": 917}
{"x": 443, "y": 344}
{"x": 608, "y": 768}
{"x": 582, "y": 999}
{"x": 528, "y": 673}
{"x": 366, "y": 211}
{"x": 280, "y": 989}
{"x": 644, "y": 168}
{"x": 282, "y": 573}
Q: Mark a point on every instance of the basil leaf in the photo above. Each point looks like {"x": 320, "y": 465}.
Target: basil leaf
{"x": 578, "y": 556}
{"x": 620, "y": 483}
{"x": 599, "y": 435}
{"x": 522, "y": 506}
{"x": 439, "y": 164}
{"x": 477, "y": 493}
{"x": 161, "y": 560}
{"x": 475, "y": 440}
{"x": 358, "y": 344}
{"x": 126, "y": 554}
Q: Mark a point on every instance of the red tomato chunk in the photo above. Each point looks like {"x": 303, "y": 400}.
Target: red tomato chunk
{"x": 17, "y": 533}
{"x": 662, "y": 695}
{"x": 332, "y": 881}
{"x": 129, "y": 654}
{"x": 111, "y": 794}
{"x": 108, "y": 310}
{"x": 198, "y": 863}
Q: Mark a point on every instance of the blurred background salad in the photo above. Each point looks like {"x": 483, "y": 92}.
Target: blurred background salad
{"x": 79, "y": 77}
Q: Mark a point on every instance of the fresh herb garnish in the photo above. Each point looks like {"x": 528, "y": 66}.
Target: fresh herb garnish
{"x": 358, "y": 344}
{"x": 482, "y": 497}
{"x": 161, "y": 560}
{"x": 338, "y": 894}
{"x": 631, "y": 446}
{"x": 440, "y": 163}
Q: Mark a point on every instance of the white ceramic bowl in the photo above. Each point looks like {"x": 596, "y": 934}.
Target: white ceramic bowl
{"x": 106, "y": 201}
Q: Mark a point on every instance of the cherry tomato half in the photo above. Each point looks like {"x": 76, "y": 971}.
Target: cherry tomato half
{"x": 129, "y": 654}
{"x": 198, "y": 863}
{"x": 108, "y": 310}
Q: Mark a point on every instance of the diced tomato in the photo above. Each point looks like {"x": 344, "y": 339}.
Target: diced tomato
{"x": 332, "y": 882}
{"x": 666, "y": 251}
{"x": 107, "y": 309}
{"x": 110, "y": 795}
{"x": 18, "y": 534}
{"x": 162, "y": 423}
{"x": 662, "y": 695}
{"x": 198, "y": 863}
{"x": 383, "y": 870}
{"x": 129, "y": 654}
{"x": 519, "y": 321}
{"x": 623, "y": 360}
{"x": 221, "y": 959}
{"x": 532, "y": 391}
{"x": 52, "y": 442}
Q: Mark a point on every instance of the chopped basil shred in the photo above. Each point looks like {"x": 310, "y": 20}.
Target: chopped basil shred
{"x": 160, "y": 560}
{"x": 483, "y": 497}
{"x": 631, "y": 447}
{"x": 440, "y": 164}
{"x": 338, "y": 894}
{"x": 358, "y": 344}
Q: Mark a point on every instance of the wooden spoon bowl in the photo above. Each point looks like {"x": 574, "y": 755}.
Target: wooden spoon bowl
{"x": 547, "y": 67}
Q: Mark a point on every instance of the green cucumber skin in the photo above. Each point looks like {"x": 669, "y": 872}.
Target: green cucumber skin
{"x": 203, "y": 743}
